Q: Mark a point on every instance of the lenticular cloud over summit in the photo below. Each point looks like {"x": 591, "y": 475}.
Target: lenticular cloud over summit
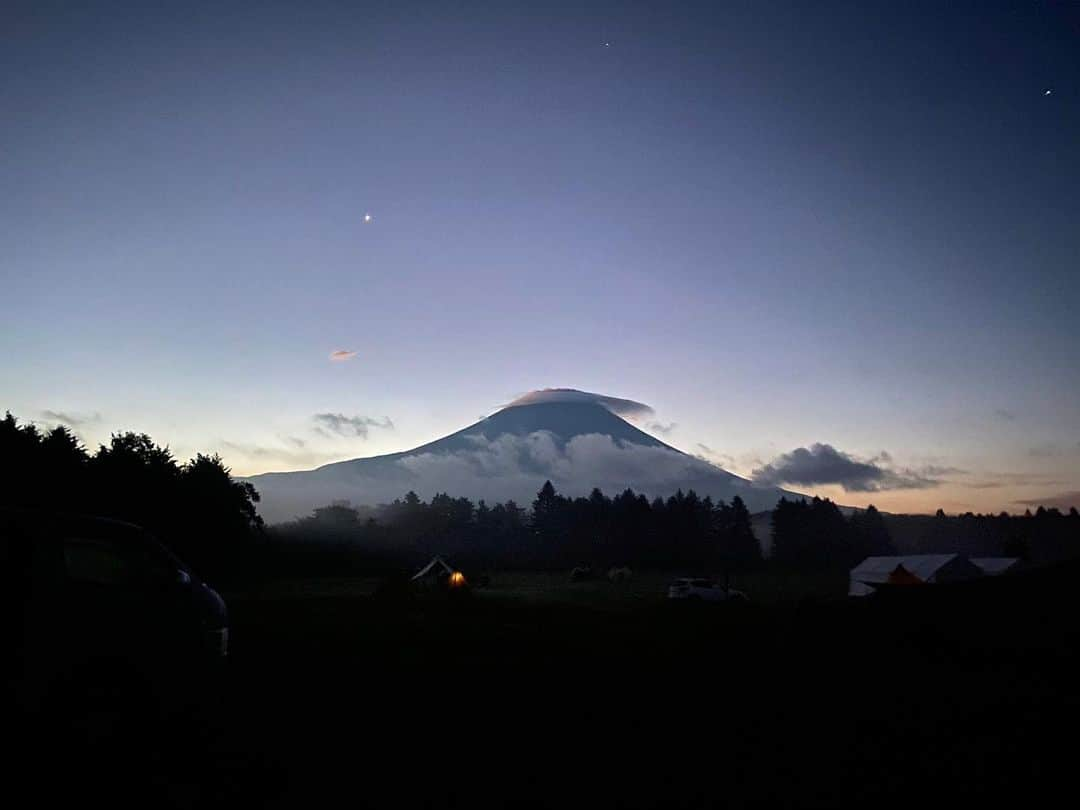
{"x": 626, "y": 408}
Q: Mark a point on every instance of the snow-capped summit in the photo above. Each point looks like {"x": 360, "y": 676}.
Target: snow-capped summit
{"x": 577, "y": 439}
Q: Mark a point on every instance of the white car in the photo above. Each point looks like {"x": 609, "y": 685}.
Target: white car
{"x": 703, "y": 590}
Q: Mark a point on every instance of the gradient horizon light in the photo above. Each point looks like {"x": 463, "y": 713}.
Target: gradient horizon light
{"x": 777, "y": 225}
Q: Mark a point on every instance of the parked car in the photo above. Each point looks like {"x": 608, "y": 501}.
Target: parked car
{"x": 89, "y": 600}
{"x": 703, "y": 590}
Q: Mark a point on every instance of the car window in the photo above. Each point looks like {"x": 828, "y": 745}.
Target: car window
{"x": 103, "y": 562}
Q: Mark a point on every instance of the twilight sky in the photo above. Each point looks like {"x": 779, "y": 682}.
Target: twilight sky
{"x": 784, "y": 226}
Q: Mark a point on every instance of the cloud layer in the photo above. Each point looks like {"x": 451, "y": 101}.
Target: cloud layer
{"x": 338, "y": 424}
{"x": 626, "y": 408}
{"x": 1063, "y": 501}
{"x": 824, "y": 464}
{"x": 341, "y": 355}
{"x": 70, "y": 419}
{"x": 661, "y": 428}
{"x": 516, "y": 466}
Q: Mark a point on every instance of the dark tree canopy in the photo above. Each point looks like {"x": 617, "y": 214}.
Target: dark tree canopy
{"x": 684, "y": 532}
{"x": 196, "y": 508}
{"x": 815, "y": 534}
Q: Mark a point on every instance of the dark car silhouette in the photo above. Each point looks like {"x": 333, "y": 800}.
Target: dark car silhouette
{"x": 95, "y": 602}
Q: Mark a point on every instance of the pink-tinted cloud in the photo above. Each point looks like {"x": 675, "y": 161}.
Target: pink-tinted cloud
{"x": 342, "y": 355}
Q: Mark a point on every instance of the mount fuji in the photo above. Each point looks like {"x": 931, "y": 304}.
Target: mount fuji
{"x": 576, "y": 439}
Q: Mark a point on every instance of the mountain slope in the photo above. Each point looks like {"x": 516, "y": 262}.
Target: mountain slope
{"x": 509, "y": 455}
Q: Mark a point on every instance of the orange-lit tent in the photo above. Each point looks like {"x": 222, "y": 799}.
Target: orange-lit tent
{"x": 438, "y": 573}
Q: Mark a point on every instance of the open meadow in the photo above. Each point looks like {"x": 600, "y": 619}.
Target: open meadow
{"x": 640, "y": 589}
{"x": 541, "y": 692}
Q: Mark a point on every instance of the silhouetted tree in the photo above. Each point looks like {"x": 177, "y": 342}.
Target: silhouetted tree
{"x": 743, "y": 549}
{"x": 547, "y": 515}
{"x": 197, "y": 509}
{"x": 869, "y": 535}
{"x": 810, "y": 535}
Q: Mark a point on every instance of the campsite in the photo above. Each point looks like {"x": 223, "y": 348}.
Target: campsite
{"x": 441, "y": 654}
{"x": 539, "y": 405}
{"x": 556, "y": 693}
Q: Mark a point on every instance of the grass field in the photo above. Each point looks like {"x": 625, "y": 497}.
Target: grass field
{"x": 545, "y": 693}
{"x": 768, "y": 587}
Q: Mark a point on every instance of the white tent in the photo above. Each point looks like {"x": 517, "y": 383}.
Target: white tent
{"x": 433, "y": 573}
{"x": 930, "y": 568}
{"x": 992, "y": 566}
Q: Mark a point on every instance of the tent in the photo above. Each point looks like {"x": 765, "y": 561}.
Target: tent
{"x": 438, "y": 573}
{"x": 901, "y": 576}
{"x": 928, "y": 568}
{"x": 992, "y": 566}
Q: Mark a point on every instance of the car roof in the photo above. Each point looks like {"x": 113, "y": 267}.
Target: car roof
{"x": 48, "y": 519}
{"x": 44, "y": 523}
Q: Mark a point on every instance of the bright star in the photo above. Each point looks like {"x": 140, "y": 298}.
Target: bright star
{"x": 367, "y": 217}
{"x": 1047, "y": 92}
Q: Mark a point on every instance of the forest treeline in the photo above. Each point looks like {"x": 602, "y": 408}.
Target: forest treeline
{"x": 211, "y": 520}
{"x": 1043, "y": 536}
{"x": 555, "y": 531}
{"x": 684, "y": 532}
{"x": 196, "y": 508}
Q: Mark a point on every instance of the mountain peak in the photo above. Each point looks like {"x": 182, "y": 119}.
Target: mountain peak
{"x": 564, "y": 418}
{"x": 576, "y": 439}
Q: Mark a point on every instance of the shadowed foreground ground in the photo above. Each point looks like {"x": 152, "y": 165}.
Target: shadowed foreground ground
{"x": 506, "y": 699}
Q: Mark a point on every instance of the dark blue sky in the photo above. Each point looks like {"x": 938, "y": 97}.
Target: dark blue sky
{"x": 777, "y": 223}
